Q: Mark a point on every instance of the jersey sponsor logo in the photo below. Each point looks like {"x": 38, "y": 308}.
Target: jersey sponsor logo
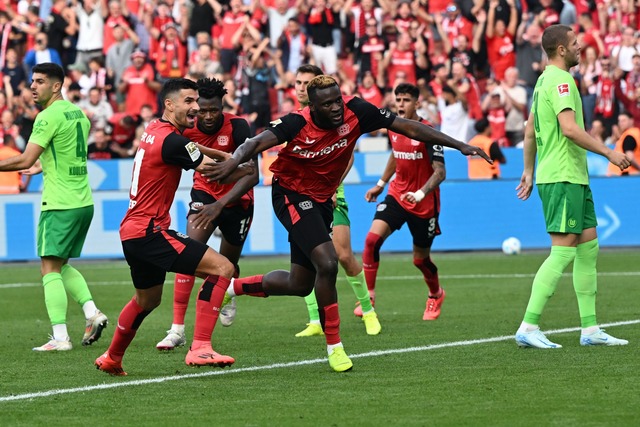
{"x": 406, "y": 155}
{"x": 344, "y": 129}
{"x": 563, "y": 89}
{"x": 196, "y": 206}
{"x": 39, "y": 126}
{"x": 306, "y": 205}
{"x": 223, "y": 140}
{"x": 309, "y": 154}
{"x": 386, "y": 113}
{"x": 308, "y": 141}
{"x": 193, "y": 150}
{"x": 381, "y": 207}
{"x": 184, "y": 236}
{"x": 438, "y": 151}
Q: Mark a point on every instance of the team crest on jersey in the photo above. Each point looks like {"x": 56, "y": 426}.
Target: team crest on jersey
{"x": 344, "y": 129}
{"x": 305, "y": 205}
{"x": 563, "y": 89}
{"x": 193, "y": 150}
{"x": 381, "y": 207}
{"x": 386, "y": 113}
{"x": 223, "y": 140}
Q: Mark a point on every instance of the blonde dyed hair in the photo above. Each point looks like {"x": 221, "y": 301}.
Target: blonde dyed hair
{"x": 319, "y": 83}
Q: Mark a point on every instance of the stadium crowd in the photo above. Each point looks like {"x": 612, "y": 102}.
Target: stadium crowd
{"x": 471, "y": 59}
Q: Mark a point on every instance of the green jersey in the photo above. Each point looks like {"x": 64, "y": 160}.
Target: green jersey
{"x": 559, "y": 158}
{"x": 62, "y": 130}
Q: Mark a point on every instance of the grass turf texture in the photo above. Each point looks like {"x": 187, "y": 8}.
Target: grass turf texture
{"x": 490, "y": 383}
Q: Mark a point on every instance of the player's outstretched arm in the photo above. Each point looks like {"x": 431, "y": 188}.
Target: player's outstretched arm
{"x": 421, "y": 132}
{"x": 22, "y": 161}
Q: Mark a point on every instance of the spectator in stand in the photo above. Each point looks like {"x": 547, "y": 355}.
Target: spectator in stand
{"x": 529, "y": 60}
{"x": 589, "y": 71}
{"x": 516, "y": 100}
{"x": 628, "y": 143}
{"x": 231, "y": 22}
{"x": 62, "y": 28}
{"x": 466, "y": 86}
{"x": 606, "y": 107}
{"x": 403, "y": 57}
{"x": 121, "y": 129}
{"x": 463, "y": 52}
{"x": 230, "y": 102}
{"x": 97, "y": 109}
{"x": 30, "y": 24}
{"x": 599, "y": 133}
{"x": 279, "y": 14}
{"x": 364, "y": 12}
{"x": 203, "y": 62}
{"x": 41, "y": 53}
{"x": 115, "y": 15}
{"x": 15, "y": 71}
{"x": 90, "y": 30}
{"x": 454, "y": 119}
{"x": 500, "y": 39}
{"x": 260, "y": 76}
{"x": 548, "y": 12}
{"x": 369, "y": 91}
{"x": 495, "y": 109}
{"x": 119, "y": 54}
{"x": 138, "y": 85}
{"x": 632, "y": 79}
{"x": 590, "y": 36}
{"x": 321, "y": 22}
{"x": 201, "y": 19}
{"x": 170, "y": 54}
{"x": 26, "y": 112}
{"x": 455, "y": 24}
{"x": 439, "y": 80}
{"x": 630, "y": 100}
{"x": 292, "y": 47}
{"x": 613, "y": 37}
{"x": 370, "y": 49}
{"x": 10, "y": 182}
{"x": 478, "y": 168}
{"x": 8, "y": 127}
{"x": 623, "y": 54}
{"x": 99, "y": 148}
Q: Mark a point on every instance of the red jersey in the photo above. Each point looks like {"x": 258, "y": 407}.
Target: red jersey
{"x": 229, "y": 26}
{"x": 502, "y": 54}
{"x": 157, "y": 168}
{"x": 109, "y": 24}
{"x": 170, "y": 58}
{"x": 314, "y": 159}
{"x": 138, "y": 92}
{"x": 402, "y": 61}
{"x": 473, "y": 97}
{"x": 414, "y": 167}
{"x": 120, "y": 134}
{"x": 231, "y": 133}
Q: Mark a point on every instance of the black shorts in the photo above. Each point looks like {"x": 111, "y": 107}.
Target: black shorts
{"x": 423, "y": 230}
{"x": 151, "y": 256}
{"x": 228, "y": 59}
{"x": 309, "y": 223}
{"x": 234, "y": 221}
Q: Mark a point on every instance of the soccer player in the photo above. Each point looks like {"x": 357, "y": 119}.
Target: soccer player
{"x": 59, "y": 139}
{"x": 413, "y": 198}
{"x": 555, "y": 131}
{"x": 341, "y": 237}
{"x": 151, "y": 248}
{"x": 231, "y": 204}
{"x": 321, "y": 139}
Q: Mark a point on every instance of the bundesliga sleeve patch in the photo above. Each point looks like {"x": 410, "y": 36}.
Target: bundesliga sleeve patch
{"x": 563, "y": 89}
{"x": 193, "y": 150}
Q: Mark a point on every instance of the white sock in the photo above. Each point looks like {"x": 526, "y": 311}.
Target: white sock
{"x": 590, "y": 330}
{"x": 177, "y": 328}
{"x": 330, "y": 347}
{"x": 60, "y": 332}
{"x": 89, "y": 309}
{"x": 230, "y": 290}
{"x": 527, "y": 327}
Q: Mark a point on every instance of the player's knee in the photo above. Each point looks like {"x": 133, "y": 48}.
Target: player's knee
{"x": 327, "y": 267}
{"x": 372, "y": 244}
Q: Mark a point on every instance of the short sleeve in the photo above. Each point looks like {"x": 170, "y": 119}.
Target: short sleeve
{"x": 286, "y": 128}
{"x": 562, "y": 95}
{"x": 240, "y": 130}
{"x": 44, "y": 129}
{"x": 179, "y": 150}
{"x": 370, "y": 117}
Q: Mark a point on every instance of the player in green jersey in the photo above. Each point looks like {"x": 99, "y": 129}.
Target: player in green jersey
{"x": 555, "y": 131}
{"x": 341, "y": 238}
{"x": 59, "y": 140}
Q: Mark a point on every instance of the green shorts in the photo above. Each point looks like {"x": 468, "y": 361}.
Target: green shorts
{"x": 568, "y": 208}
{"x": 341, "y": 213}
{"x": 61, "y": 233}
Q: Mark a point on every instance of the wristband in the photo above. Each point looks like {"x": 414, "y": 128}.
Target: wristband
{"x": 381, "y": 183}
{"x": 418, "y": 195}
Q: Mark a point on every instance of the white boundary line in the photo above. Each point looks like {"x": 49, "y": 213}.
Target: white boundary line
{"x": 390, "y": 278}
{"x": 55, "y": 392}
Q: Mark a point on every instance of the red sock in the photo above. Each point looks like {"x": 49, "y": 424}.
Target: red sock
{"x": 251, "y": 285}
{"x": 182, "y": 287}
{"x": 208, "y": 309}
{"x": 430, "y": 273}
{"x": 371, "y": 258}
{"x": 130, "y": 319}
{"x": 330, "y": 320}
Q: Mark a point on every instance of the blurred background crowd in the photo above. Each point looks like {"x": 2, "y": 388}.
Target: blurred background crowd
{"x": 471, "y": 59}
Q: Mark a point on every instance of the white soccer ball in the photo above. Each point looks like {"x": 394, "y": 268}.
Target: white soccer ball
{"x": 511, "y": 246}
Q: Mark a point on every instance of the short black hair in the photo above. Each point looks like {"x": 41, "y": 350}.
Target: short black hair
{"x": 448, "y": 89}
{"x": 407, "y": 88}
{"x": 309, "y": 68}
{"x": 211, "y": 88}
{"x": 173, "y": 86}
{"x": 49, "y": 69}
{"x": 481, "y": 125}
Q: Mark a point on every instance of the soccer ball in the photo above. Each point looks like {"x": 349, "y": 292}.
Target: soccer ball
{"x": 511, "y": 246}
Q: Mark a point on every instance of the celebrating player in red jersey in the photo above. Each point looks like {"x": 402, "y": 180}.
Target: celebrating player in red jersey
{"x": 413, "y": 198}
{"x": 228, "y": 206}
{"x": 151, "y": 248}
{"x": 321, "y": 139}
